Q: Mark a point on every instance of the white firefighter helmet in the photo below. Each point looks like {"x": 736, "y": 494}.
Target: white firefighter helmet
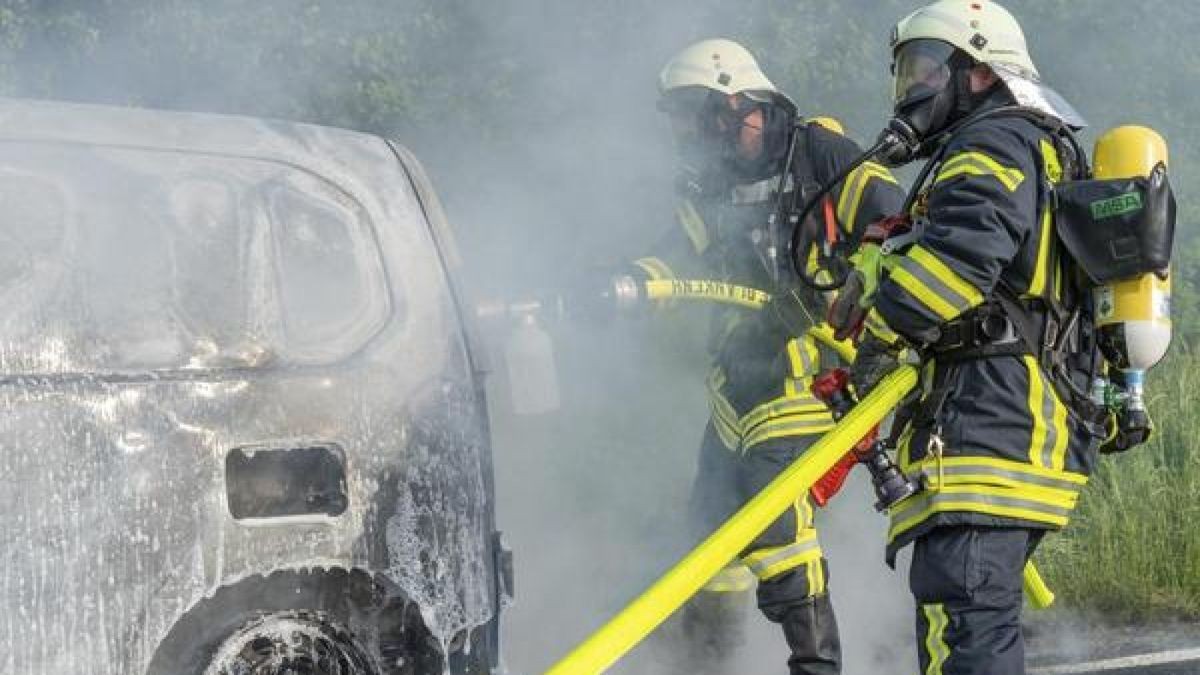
{"x": 981, "y": 28}
{"x": 719, "y": 65}
{"x": 989, "y": 34}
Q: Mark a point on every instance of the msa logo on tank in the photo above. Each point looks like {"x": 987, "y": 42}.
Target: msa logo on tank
{"x": 1130, "y": 202}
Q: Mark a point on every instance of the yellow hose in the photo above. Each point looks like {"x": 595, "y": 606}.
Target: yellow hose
{"x": 1039, "y": 594}
{"x": 613, "y": 640}
{"x": 704, "y": 289}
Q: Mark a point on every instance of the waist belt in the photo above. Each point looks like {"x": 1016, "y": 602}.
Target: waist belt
{"x": 1008, "y": 326}
{"x": 981, "y": 333}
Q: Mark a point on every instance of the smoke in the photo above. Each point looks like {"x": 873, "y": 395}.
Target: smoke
{"x": 537, "y": 120}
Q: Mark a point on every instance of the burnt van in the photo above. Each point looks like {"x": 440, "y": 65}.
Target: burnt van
{"x": 242, "y": 424}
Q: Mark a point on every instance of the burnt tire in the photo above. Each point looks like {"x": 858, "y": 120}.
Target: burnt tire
{"x": 330, "y": 622}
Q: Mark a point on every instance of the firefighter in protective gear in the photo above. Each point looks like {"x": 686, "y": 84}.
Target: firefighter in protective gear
{"x": 733, "y": 130}
{"x": 1002, "y": 447}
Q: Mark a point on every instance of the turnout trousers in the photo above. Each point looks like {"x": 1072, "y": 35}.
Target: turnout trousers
{"x": 785, "y": 561}
{"x": 967, "y": 583}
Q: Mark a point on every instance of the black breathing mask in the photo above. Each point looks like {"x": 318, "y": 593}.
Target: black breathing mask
{"x": 932, "y": 91}
{"x": 706, "y": 126}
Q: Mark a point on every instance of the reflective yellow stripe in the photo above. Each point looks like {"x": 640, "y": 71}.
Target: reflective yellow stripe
{"x": 1049, "y": 436}
{"x": 1050, "y": 160}
{"x": 853, "y": 189}
{"x": 1001, "y": 502}
{"x": 693, "y": 225}
{"x": 965, "y": 289}
{"x": 1061, "y": 495}
{"x": 804, "y": 357}
{"x": 879, "y": 327}
{"x": 935, "y": 638}
{"x": 735, "y": 578}
{"x": 771, "y": 562}
{"x": 979, "y": 164}
{"x": 804, "y": 513}
{"x": 996, "y": 466}
{"x": 1041, "y": 268}
{"x": 792, "y": 425}
{"x": 655, "y": 268}
{"x": 729, "y": 436}
{"x": 795, "y": 387}
{"x": 724, "y": 417}
{"x": 782, "y": 407}
{"x": 921, "y": 292}
{"x": 811, "y": 575}
{"x": 934, "y": 284}
{"x": 1037, "y": 436}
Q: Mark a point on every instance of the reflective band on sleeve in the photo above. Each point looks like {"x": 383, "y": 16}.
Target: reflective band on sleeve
{"x": 782, "y": 407}
{"x": 963, "y": 288}
{"x": 934, "y": 284}
{"x": 935, "y": 637}
{"x": 724, "y": 417}
{"x": 771, "y": 562}
{"x": 1049, "y": 436}
{"x": 803, "y": 356}
{"x": 979, "y": 164}
{"x": 853, "y": 189}
{"x": 793, "y": 425}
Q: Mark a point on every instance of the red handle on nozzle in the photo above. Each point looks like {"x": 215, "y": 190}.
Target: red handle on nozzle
{"x": 833, "y": 389}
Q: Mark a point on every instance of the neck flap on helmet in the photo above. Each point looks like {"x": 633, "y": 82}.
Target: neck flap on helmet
{"x": 1028, "y": 91}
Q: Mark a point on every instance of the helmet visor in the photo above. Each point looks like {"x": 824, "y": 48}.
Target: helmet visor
{"x": 921, "y": 66}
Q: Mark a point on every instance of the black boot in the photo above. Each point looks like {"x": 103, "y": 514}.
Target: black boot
{"x": 812, "y": 634}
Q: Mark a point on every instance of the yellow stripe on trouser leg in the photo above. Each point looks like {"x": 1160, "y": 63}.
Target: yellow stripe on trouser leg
{"x": 935, "y": 637}
{"x": 768, "y": 563}
{"x": 613, "y": 640}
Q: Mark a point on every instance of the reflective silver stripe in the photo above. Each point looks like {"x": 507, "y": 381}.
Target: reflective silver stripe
{"x": 935, "y": 285}
{"x": 778, "y": 408}
{"x": 931, "y": 472}
{"x": 925, "y": 500}
{"x": 818, "y": 417}
{"x": 1048, "y": 411}
{"x": 761, "y": 566}
{"x": 780, "y": 428}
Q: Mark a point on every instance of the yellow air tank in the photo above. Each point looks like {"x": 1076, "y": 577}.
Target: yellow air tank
{"x": 1134, "y": 315}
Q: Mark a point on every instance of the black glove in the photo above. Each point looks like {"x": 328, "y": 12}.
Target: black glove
{"x": 875, "y": 360}
{"x": 846, "y": 314}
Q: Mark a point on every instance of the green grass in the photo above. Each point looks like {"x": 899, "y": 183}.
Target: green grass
{"x": 1132, "y": 550}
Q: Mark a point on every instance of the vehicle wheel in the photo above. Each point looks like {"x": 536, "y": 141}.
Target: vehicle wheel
{"x": 330, "y": 622}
